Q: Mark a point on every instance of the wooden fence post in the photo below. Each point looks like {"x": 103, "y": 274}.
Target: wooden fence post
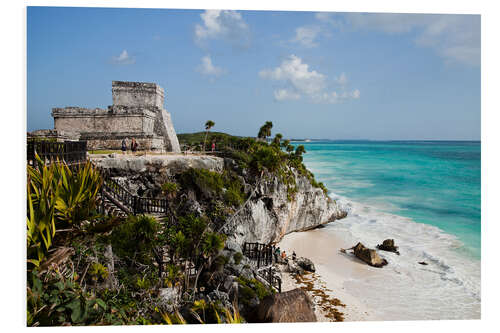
{"x": 134, "y": 205}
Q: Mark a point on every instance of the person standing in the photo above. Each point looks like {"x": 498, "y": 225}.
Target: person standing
{"x": 213, "y": 146}
{"x": 133, "y": 145}
{"x": 277, "y": 253}
{"x": 124, "y": 146}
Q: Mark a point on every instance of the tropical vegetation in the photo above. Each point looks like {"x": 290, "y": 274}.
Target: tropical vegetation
{"x": 87, "y": 268}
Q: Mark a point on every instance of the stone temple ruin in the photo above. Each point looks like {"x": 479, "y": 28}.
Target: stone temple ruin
{"x": 137, "y": 112}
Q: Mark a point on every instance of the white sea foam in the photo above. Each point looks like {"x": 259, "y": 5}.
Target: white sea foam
{"x": 449, "y": 287}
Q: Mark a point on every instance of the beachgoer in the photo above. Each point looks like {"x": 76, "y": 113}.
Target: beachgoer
{"x": 283, "y": 255}
{"x": 124, "y": 146}
{"x": 294, "y": 256}
{"x": 276, "y": 254}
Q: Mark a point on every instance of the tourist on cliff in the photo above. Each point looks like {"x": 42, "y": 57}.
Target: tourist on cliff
{"x": 277, "y": 254}
{"x": 124, "y": 146}
{"x": 133, "y": 145}
{"x": 283, "y": 256}
{"x": 213, "y": 146}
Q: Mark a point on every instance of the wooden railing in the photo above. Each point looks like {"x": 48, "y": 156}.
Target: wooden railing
{"x": 259, "y": 252}
{"x": 268, "y": 275}
{"x": 264, "y": 255}
{"x": 135, "y": 203}
{"x": 50, "y": 151}
{"x": 118, "y": 192}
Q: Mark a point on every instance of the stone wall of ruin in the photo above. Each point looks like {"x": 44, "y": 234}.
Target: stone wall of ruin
{"x": 137, "y": 94}
{"x": 137, "y": 111}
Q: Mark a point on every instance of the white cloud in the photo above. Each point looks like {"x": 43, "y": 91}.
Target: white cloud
{"x": 123, "y": 59}
{"x": 325, "y": 17}
{"x": 297, "y": 74}
{"x": 355, "y": 94}
{"x": 306, "y": 36}
{"x": 207, "y": 68}
{"x": 226, "y": 24}
{"x": 342, "y": 79}
{"x": 300, "y": 81}
{"x": 456, "y": 38}
{"x": 283, "y": 94}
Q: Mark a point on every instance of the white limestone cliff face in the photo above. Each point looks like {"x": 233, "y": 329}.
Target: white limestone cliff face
{"x": 160, "y": 165}
{"x": 271, "y": 215}
{"x": 267, "y": 216}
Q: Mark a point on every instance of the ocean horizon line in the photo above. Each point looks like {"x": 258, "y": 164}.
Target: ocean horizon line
{"x": 379, "y": 140}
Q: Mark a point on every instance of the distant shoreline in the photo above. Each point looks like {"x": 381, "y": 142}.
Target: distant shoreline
{"x": 377, "y": 141}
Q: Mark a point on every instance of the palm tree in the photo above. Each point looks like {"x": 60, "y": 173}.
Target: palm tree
{"x": 265, "y": 130}
{"x": 208, "y": 125}
{"x": 300, "y": 150}
{"x": 277, "y": 140}
{"x": 285, "y": 143}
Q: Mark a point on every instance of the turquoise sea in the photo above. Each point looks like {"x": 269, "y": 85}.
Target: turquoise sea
{"x": 426, "y": 195}
{"x": 432, "y": 182}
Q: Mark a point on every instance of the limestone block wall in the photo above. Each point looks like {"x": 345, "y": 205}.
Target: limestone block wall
{"x": 149, "y": 143}
{"x": 137, "y": 111}
{"x": 113, "y": 120}
{"x": 138, "y": 94}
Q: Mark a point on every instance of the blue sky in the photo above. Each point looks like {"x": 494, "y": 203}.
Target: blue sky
{"x": 314, "y": 75}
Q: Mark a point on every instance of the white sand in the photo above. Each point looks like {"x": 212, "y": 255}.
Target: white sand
{"x": 333, "y": 268}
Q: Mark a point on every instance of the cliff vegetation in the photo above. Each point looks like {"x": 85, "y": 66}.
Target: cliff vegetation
{"x": 185, "y": 266}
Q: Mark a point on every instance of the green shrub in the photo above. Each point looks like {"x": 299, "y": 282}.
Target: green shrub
{"x": 59, "y": 301}
{"x": 233, "y": 196}
{"x": 238, "y": 256}
{"x": 98, "y": 272}
{"x": 214, "y": 185}
{"x": 173, "y": 275}
{"x": 170, "y": 189}
{"x": 136, "y": 237}
{"x": 205, "y": 181}
{"x": 143, "y": 282}
{"x": 250, "y": 288}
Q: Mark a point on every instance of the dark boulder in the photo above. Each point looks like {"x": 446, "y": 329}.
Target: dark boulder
{"x": 369, "y": 256}
{"x": 306, "y": 264}
{"x": 288, "y": 307}
{"x": 423, "y": 263}
{"x": 293, "y": 268}
{"x": 388, "y": 245}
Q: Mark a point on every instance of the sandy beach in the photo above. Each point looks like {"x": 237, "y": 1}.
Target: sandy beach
{"x": 333, "y": 269}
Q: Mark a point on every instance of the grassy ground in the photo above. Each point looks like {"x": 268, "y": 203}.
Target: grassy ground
{"x": 103, "y": 151}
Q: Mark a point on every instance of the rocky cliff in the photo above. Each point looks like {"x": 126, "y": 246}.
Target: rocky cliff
{"x": 268, "y": 214}
{"x": 271, "y": 214}
{"x": 156, "y": 165}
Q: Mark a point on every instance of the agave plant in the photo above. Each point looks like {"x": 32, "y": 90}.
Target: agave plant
{"x": 173, "y": 319}
{"x": 57, "y": 196}
{"x": 78, "y": 193}
{"x": 231, "y": 317}
{"x": 199, "y": 305}
{"x": 41, "y": 213}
